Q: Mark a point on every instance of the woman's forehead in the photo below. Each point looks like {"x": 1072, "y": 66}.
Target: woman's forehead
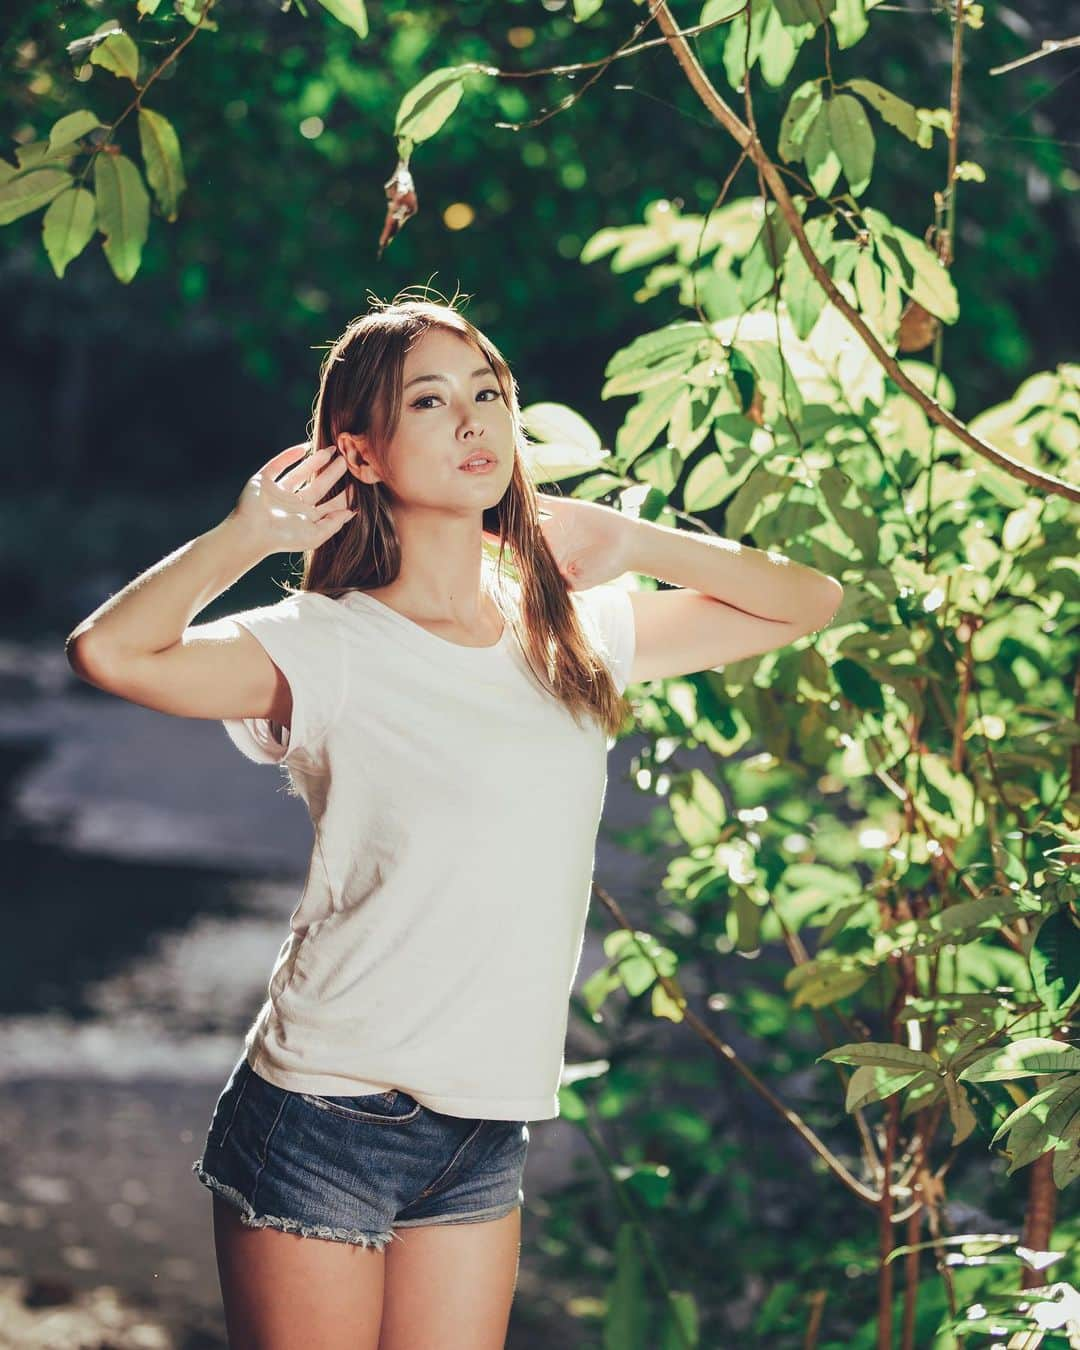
{"x": 440, "y": 345}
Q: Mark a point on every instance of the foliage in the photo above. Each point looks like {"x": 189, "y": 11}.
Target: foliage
{"x": 894, "y": 803}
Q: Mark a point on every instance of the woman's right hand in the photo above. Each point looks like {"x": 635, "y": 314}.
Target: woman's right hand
{"x": 283, "y": 515}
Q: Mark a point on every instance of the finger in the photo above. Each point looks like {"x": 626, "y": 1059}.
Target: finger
{"x": 277, "y": 463}
{"x": 330, "y": 525}
{"x": 325, "y": 479}
{"x": 332, "y": 504}
{"x": 302, "y": 472}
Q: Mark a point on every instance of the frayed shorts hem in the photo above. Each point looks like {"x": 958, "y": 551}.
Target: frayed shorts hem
{"x": 466, "y": 1216}
{"x": 250, "y": 1219}
{"x": 356, "y": 1237}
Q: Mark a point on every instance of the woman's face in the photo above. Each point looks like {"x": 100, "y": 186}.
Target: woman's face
{"x": 451, "y": 409}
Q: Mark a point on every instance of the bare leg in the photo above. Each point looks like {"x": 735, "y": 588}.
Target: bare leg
{"x": 451, "y": 1285}
{"x": 282, "y": 1290}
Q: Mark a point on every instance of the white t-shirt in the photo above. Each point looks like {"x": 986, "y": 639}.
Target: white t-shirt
{"x": 455, "y": 805}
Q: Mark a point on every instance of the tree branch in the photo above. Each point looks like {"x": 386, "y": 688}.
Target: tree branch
{"x": 727, "y": 1052}
{"x": 747, "y": 141}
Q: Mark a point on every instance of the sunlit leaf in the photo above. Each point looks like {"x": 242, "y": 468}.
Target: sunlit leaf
{"x": 853, "y": 140}
{"x": 21, "y": 195}
{"x": 1021, "y": 1059}
{"x": 890, "y": 107}
{"x": 822, "y": 161}
{"x": 72, "y": 128}
{"x": 802, "y": 109}
{"x": 123, "y": 212}
{"x": 119, "y": 55}
{"x": 68, "y": 226}
{"x": 352, "y": 13}
{"x": 161, "y": 154}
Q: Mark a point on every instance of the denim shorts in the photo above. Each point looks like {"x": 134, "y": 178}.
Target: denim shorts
{"x": 354, "y": 1169}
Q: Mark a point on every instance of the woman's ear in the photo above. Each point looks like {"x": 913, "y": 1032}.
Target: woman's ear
{"x": 357, "y": 451}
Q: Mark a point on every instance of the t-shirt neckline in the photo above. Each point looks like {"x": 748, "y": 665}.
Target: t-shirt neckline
{"x": 422, "y": 637}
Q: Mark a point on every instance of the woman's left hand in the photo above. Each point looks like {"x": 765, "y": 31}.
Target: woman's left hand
{"x": 590, "y": 543}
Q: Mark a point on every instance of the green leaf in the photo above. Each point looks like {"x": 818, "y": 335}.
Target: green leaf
{"x": 958, "y": 924}
{"x": 626, "y": 1321}
{"x": 195, "y": 11}
{"x": 585, "y": 9}
{"x": 698, "y": 808}
{"x": 804, "y": 11}
{"x": 668, "y": 349}
{"x": 744, "y": 917}
{"x": 571, "y": 1104}
{"x": 663, "y": 1005}
{"x": 882, "y": 1054}
{"x": 1026, "y": 1127}
{"x": 123, "y": 211}
{"x": 68, "y": 226}
{"x": 1055, "y": 960}
{"x": 25, "y": 193}
{"x": 1021, "y": 1059}
{"x": 161, "y": 154}
{"x": 81, "y": 48}
{"x": 352, "y": 13}
{"x": 874, "y": 1083}
{"x": 72, "y": 128}
{"x": 37, "y": 154}
{"x": 428, "y": 104}
{"x": 646, "y": 420}
{"x": 822, "y": 161}
{"x": 853, "y": 140}
{"x": 148, "y": 6}
{"x": 802, "y": 109}
{"x": 889, "y": 107}
{"x": 918, "y": 271}
{"x": 968, "y": 170}
{"x": 779, "y": 48}
{"x": 849, "y": 22}
{"x": 960, "y": 1112}
{"x": 681, "y": 1311}
{"x": 928, "y": 119}
{"x": 801, "y": 291}
{"x": 858, "y": 686}
{"x": 119, "y": 55}
{"x": 820, "y": 983}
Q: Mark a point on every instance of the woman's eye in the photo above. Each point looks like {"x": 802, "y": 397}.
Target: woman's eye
{"x": 422, "y": 402}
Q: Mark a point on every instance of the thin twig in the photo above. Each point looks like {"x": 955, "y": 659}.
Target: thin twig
{"x": 1048, "y": 48}
{"x": 725, "y": 1051}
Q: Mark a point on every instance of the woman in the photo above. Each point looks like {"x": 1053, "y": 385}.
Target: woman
{"x": 446, "y": 720}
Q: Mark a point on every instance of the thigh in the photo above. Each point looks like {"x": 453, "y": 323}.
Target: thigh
{"x": 451, "y": 1285}
{"x": 283, "y": 1290}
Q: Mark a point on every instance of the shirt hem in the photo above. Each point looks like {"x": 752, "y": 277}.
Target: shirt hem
{"x": 488, "y": 1108}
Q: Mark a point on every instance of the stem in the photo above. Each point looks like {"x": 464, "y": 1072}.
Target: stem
{"x": 1039, "y": 1215}
{"x": 912, "y": 1260}
{"x": 644, "y": 1237}
{"x": 817, "y": 1310}
{"x": 885, "y": 1228}
{"x": 726, "y": 1052}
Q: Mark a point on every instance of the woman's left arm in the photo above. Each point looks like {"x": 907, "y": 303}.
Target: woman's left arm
{"x": 734, "y": 601}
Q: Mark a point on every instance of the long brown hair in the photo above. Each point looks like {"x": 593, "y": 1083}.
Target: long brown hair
{"x": 360, "y": 386}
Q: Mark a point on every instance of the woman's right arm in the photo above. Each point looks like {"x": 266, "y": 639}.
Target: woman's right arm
{"x": 138, "y": 644}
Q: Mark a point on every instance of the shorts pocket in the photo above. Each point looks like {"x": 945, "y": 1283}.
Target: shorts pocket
{"x": 227, "y": 1105}
{"x": 378, "y": 1108}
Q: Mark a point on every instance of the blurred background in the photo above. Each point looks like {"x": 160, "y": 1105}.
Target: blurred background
{"x": 149, "y": 870}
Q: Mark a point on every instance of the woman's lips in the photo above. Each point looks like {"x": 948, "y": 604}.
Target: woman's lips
{"x": 479, "y": 468}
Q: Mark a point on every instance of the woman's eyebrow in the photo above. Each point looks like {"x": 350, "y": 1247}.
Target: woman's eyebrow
{"x": 482, "y": 370}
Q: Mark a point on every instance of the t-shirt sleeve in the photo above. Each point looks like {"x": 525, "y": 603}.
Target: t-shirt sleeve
{"x": 305, "y": 644}
{"x": 612, "y": 617}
